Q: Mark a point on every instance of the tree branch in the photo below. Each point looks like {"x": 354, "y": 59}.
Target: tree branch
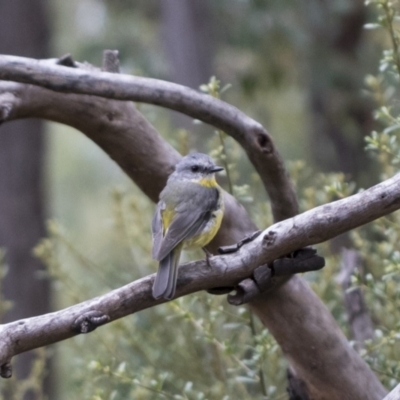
{"x": 252, "y": 136}
{"x": 116, "y": 126}
{"x": 122, "y": 132}
{"x": 314, "y": 226}
{"x": 394, "y": 394}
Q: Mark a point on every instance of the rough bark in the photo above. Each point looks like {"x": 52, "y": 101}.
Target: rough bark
{"x": 21, "y": 181}
{"x": 339, "y": 374}
{"x": 135, "y": 145}
{"x": 297, "y": 388}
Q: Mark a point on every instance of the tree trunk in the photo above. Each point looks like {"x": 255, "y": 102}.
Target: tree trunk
{"x": 341, "y": 115}
{"x": 188, "y": 46}
{"x": 23, "y": 31}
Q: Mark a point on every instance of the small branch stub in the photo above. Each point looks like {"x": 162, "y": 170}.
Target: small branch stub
{"x": 6, "y": 370}
{"x": 67, "y": 61}
{"x": 265, "y": 276}
{"x": 110, "y": 61}
{"x": 89, "y": 321}
{"x": 246, "y": 291}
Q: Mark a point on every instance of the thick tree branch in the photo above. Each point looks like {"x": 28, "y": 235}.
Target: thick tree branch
{"x": 116, "y": 126}
{"x": 252, "y": 136}
{"x": 124, "y": 134}
{"x": 314, "y": 226}
{"x": 133, "y": 143}
{"x": 394, "y": 394}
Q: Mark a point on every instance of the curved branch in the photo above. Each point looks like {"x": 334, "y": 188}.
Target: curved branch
{"x": 314, "y": 226}
{"x": 252, "y": 136}
{"x": 122, "y": 132}
{"x": 116, "y": 126}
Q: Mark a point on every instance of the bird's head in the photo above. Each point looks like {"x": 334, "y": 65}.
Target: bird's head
{"x": 197, "y": 167}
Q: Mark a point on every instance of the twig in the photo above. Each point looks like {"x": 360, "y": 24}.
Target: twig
{"x": 261, "y": 376}
{"x": 225, "y": 161}
{"x": 357, "y": 313}
{"x": 389, "y": 12}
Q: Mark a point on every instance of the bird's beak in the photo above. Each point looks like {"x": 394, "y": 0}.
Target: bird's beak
{"x": 216, "y": 168}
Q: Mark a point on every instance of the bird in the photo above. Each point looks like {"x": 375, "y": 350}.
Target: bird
{"x": 188, "y": 215}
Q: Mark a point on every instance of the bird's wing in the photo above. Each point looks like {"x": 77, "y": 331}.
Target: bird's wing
{"x": 189, "y": 219}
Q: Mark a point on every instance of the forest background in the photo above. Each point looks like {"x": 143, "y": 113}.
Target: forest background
{"x": 308, "y": 71}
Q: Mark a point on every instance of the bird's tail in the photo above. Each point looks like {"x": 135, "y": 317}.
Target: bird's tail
{"x": 165, "y": 282}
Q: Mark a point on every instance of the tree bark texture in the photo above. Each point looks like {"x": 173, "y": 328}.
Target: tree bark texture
{"x": 315, "y": 360}
{"x": 299, "y": 321}
{"x": 22, "y": 206}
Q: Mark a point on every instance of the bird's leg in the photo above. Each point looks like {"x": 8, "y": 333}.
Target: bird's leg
{"x": 216, "y": 290}
{"x": 208, "y": 255}
{"x": 231, "y": 249}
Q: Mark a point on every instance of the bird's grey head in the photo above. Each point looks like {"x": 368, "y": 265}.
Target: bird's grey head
{"x": 196, "y": 166}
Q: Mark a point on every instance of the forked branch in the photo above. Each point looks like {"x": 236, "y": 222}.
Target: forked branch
{"x": 314, "y": 226}
{"x": 293, "y": 313}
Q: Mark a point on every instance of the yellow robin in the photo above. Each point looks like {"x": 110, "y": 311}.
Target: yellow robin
{"x": 188, "y": 215}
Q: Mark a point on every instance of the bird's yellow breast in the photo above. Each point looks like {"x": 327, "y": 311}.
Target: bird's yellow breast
{"x": 211, "y": 228}
{"x": 208, "y": 182}
{"x": 209, "y": 231}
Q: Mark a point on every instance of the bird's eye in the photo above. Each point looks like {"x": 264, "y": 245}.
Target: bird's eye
{"x": 195, "y": 168}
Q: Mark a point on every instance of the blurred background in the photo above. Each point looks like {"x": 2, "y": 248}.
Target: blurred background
{"x": 69, "y": 216}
